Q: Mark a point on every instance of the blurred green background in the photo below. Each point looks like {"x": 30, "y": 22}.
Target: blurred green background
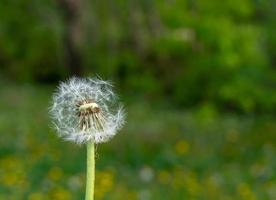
{"x": 198, "y": 80}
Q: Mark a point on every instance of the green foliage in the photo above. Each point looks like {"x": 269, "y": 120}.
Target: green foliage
{"x": 190, "y": 52}
{"x": 29, "y": 43}
{"x": 160, "y": 154}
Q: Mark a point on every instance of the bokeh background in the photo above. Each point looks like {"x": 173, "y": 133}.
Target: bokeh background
{"x": 198, "y": 80}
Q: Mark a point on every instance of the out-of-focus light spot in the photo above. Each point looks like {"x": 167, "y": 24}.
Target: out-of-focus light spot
{"x": 104, "y": 183}
{"x": 245, "y": 192}
{"x": 10, "y": 179}
{"x": 61, "y": 194}
{"x": 146, "y": 174}
{"x": 192, "y": 185}
{"x": 55, "y": 174}
{"x": 164, "y": 177}
{"x": 182, "y": 147}
{"x": 75, "y": 182}
{"x": 36, "y": 196}
{"x": 12, "y": 172}
{"x": 144, "y": 195}
{"x": 271, "y": 189}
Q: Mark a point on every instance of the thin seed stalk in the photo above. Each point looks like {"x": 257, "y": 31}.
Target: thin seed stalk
{"x": 90, "y": 171}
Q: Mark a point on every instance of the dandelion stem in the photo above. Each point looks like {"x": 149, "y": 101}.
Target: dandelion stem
{"x": 90, "y": 176}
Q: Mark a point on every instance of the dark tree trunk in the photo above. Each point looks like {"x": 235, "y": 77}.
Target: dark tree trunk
{"x": 72, "y": 36}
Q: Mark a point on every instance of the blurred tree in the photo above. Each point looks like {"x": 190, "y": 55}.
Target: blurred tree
{"x": 188, "y": 52}
{"x": 72, "y": 35}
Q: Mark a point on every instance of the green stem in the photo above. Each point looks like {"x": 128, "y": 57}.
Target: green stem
{"x": 90, "y": 176}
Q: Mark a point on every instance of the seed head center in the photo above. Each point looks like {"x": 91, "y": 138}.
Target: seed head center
{"x": 89, "y": 106}
{"x": 90, "y": 116}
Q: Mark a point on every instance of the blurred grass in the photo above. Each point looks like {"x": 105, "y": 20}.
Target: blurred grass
{"x": 162, "y": 153}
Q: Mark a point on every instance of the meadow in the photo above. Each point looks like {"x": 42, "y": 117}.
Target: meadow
{"x": 197, "y": 79}
{"x": 162, "y": 153}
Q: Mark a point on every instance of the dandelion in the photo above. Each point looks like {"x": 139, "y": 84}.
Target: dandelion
{"x": 84, "y": 111}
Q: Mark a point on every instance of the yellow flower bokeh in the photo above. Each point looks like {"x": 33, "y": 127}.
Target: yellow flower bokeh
{"x": 182, "y": 147}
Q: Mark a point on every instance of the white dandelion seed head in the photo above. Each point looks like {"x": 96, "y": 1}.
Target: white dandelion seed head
{"x": 86, "y": 109}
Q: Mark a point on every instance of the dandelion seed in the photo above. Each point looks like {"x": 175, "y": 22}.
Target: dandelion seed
{"x": 85, "y": 111}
